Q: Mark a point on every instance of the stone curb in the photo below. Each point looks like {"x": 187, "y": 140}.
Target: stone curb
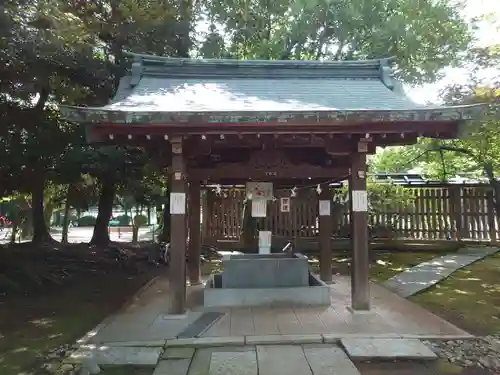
{"x": 127, "y": 344}
{"x": 283, "y": 339}
{"x": 327, "y": 338}
{"x": 207, "y": 341}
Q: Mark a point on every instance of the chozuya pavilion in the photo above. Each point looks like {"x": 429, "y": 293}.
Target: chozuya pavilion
{"x": 285, "y": 122}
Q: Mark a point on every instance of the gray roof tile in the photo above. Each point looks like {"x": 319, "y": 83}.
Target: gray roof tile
{"x": 248, "y": 94}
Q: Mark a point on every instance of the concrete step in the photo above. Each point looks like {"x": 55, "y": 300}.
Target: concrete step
{"x": 387, "y": 349}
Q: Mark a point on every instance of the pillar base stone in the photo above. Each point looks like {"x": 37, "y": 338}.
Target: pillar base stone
{"x": 359, "y": 312}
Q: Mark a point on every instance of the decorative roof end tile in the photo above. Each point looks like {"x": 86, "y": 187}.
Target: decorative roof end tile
{"x": 386, "y": 73}
{"x": 136, "y": 70}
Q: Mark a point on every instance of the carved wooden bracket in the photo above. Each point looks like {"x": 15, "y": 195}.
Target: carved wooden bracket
{"x": 268, "y": 159}
{"x": 264, "y": 165}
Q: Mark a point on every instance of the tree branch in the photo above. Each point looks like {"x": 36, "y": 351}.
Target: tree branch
{"x": 456, "y": 149}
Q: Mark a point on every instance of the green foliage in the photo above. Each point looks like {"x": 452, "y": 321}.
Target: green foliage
{"x": 72, "y": 53}
{"x": 340, "y": 29}
{"x": 380, "y": 196}
{"x": 140, "y": 220}
{"x": 86, "y": 221}
{"x": 477, "y": 152}
{"x": 122, "y": 220}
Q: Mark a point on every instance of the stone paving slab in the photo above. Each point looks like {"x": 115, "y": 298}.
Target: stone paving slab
{"x": 173, "y": 367}
{"x": 108, "y": 355}
{"x": 201, "y": 362}
{"x": 282, "y": 360}
{"x": 229, "y": 363}
{"x": 178, "y": 353}
{"x": 145, "y": 325}
{"x": 364, "y": 349}
{"x": 427, "y": 274}
{"x": 453, "y": 262}
{"x": 329, "y": 360}
{"x": 478, "y": 250}
{"x": 409, "y": 283}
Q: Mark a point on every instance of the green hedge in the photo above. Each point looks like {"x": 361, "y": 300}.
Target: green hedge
{"x": 123, "y": 220}
{"x": 86, "y": 221}
{"x": 140, "y": 220}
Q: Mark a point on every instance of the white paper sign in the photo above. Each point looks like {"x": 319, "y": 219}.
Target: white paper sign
{"x": 359, "y": 201}
{"x": 177, "y": 203}
{"x": 324, "y": 208}
{"x": 265, "y": 238}
{"x": 285, "y": 204}
{"x": 259, "y": 208}
{"x": 260, "y": 190}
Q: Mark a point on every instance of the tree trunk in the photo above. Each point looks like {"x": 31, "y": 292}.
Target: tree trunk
{"x": 15, "y": 228}
{"x": 100, "y": 236}
{"x": 183, "y": 42}
{"x": 65, "y": 224}
{"x": 48, "y": 211}
{"x": 135, "y": 226}
{"x": 40, "y": 230}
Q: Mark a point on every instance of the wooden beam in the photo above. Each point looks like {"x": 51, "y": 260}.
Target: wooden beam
{"x": 450, "y": 127}
{"x": 237, "y": 171}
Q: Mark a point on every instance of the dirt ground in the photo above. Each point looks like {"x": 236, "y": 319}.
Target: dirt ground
{"x": 36, "y": 321}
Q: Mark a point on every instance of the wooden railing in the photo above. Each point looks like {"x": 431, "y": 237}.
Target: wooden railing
{"x": 450, "y": 213}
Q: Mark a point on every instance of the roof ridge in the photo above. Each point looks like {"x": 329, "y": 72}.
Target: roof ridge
{"x": 181, "y": 61}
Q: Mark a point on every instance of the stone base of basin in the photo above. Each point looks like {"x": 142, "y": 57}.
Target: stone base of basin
{"x": 318, "y": 293}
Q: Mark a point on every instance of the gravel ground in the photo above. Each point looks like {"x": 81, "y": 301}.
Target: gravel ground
{"x": 483, "y": 352}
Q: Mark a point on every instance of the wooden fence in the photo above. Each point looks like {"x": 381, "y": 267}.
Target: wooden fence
{"x": 433, "y": 213}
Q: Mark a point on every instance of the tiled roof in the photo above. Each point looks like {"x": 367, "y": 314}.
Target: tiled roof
{"x": 249, "y": 94}
{"x": 158, "y": 89}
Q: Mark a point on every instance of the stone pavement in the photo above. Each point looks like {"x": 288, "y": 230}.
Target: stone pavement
{"x": 391, "y": 316}
{"x": 427, "y": 274}
{"x": 145, "y": 321}
{"x": 300, "y": 340}
{"x": 299, "y": 359}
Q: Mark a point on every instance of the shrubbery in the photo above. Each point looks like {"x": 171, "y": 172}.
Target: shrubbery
{"x": 86, "y": 221}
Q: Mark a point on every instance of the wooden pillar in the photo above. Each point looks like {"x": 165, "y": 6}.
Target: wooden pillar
{"x": 360, "y": 277}
{"x": 194, "y": 232}
{"x": 203, "y": 208}
{"x": 177, "y": 269}
{"x": 325, "y": 234}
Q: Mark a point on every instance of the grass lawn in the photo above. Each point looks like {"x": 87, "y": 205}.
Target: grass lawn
{"x": 469, "y": 298}
{"x": 383, "y": 265}
{"x": 32, "y": 325}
